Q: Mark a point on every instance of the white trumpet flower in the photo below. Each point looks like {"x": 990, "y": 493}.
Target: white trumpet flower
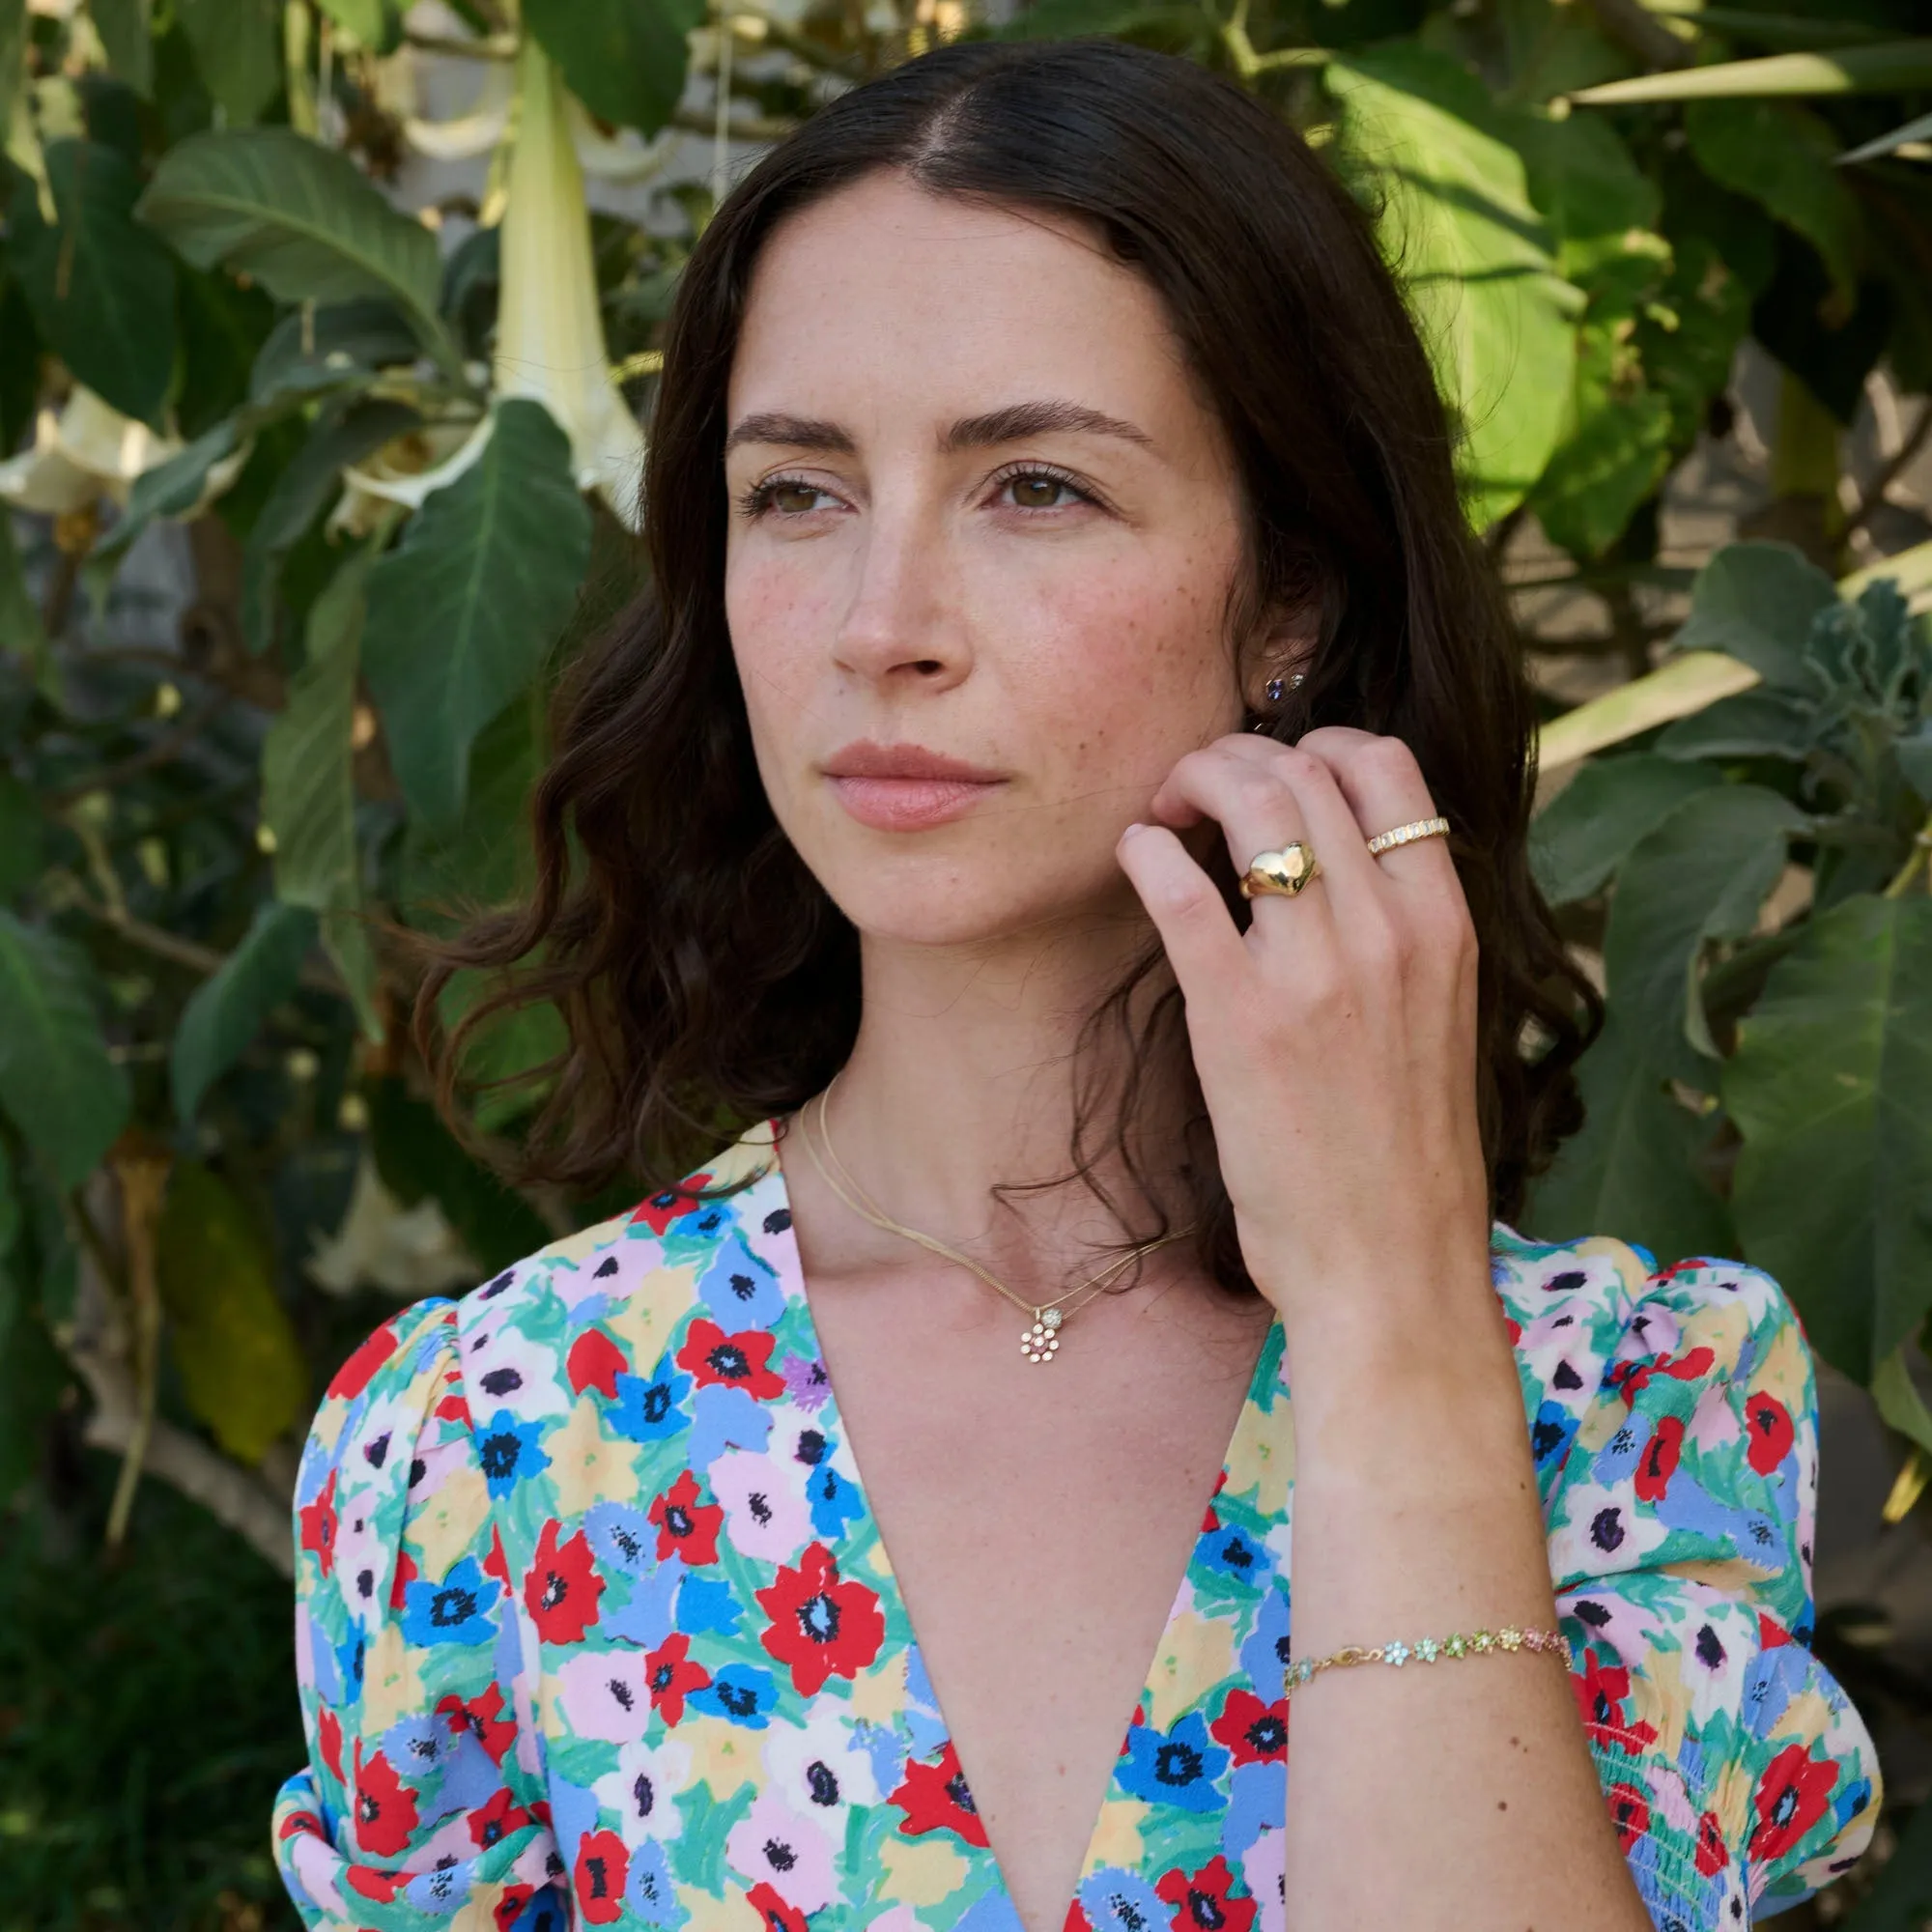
{"x": 87, "y": 450}
{"x": 549, "y": 335}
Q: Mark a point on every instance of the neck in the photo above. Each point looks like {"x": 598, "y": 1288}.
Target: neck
{"x": 963, "y": 1078}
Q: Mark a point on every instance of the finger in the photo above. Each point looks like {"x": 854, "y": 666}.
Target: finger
{"x": 1384, "y": 786}
{"x": 1195, "y": 927}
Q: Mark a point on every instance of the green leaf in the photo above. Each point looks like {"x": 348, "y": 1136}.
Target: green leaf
{"x": 1781, "y": 156}
{"x": 308, "y": 789}
{"x": 1753, "y": 725}
{"x": 1687, "y": 335}
{"x": 1580, "y": 837}
{"x": 22, "y": 832}
{"x": 343, "y": 433}
{"x": 1755, "y": 602}
{"x": 126, "y": 37}
{"x": 338, "y": 346}
{"x": 1887, "y": 67}
{"x": 238, "y": 52}
{"x": 1631, "y": 1170}
{"x": 1614, "y": 460}
{"x": 20, "y": 615}
{"x": 228, "y": 1009}
{"x": 462, "y": 612}
{"x": 1920, "y": 130}
{"x": 487, "y": 862}
{"x": 1581, "y": 177}
{"x": 1475, "y": 258}
{"x": 1827, "y": 1088}
{"x": 417, "y": 1158}
{"x": 101, "y": 286}
{"x": 300, "y": 218}
{"x": 623, "y": 59}
{"x": 170, "y": 489}
{"x": 241, "y": 1368}
{"x": 57, "y": 1084}
{"x": 1702, "y": 874}
{"x": 1915, "y": 759}
{"x": 376, "y": 25}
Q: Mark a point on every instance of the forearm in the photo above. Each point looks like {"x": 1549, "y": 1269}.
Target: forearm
{"x": 1455, "y": 1795}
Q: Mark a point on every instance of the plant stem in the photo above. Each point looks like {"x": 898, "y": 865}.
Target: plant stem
{"x": 1921, "y": 853}
{"x": 143, "y": 1178}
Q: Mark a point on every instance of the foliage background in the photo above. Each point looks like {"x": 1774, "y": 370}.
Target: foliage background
{"x": 319, "y": 405}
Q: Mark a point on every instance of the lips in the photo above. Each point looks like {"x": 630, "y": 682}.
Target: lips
{"x": 906, "y": 788}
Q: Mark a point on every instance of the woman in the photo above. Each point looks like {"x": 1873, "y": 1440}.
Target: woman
{"x": 1053, "y": 523}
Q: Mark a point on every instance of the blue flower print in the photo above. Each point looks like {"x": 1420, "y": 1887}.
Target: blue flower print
{"x": 725, "y": 1418}
{"x": 1265, "y": 1655}
{"x": 1552, "y": 1433}
{"x": 624, "y": 1539}
{"x": 707, "y": 1604}
{"x": 834, "y": 1502}
{"x": 416, "y": 1746}
{"x": 1179, "y": 1767}
{"x": 1231, "y": 1551}
{"x": 509, "y": 1452}
{"x": 739, "y": 1693}
{"x": 1256, "y": 1802}
{"x": 648, "y": 1411}
{"x": 648, "y": 1891}
{"x": 647, "y": 1618}
{"x": 456, "y": 1610}
{"x": 1620, "y": 1455}
{"x": 1118, "y": 1900}
{"x": 441, "y": 1891}
{"x": 741, "y": 1292}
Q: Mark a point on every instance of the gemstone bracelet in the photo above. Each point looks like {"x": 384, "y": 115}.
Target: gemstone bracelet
{"x": 1427, "y": 1650}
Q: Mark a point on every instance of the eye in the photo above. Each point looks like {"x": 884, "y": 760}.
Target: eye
{"x": 1035, "y": 488}
{"x": 788, "y": 496}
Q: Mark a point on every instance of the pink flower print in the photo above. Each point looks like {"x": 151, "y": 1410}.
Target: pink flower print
{"x": 641, "y": 1792}
{"x": 764, "y": 1505}
{"x": 899, "y": 1918}
{"x": 821, "y": 1766}
{"x": 604, "y": 1694}
{"x": 1264, "y": 1871}
{"x": 774, "y": 1846}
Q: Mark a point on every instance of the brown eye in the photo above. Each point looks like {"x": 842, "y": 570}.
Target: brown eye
{"x": 1045, "y": 487}
{"x": 793, "y": 498}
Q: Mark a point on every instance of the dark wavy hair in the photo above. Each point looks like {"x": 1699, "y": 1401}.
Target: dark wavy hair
{"x": 706, "y": 978}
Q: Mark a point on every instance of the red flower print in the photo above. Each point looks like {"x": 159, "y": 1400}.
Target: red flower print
{"x": 360, "y": 1370}
{"x": 486, "y": 1717}
{"x": 778, "y": 1917}
{"x": 1660, "y": 1459}
{"x": 1077, "y": 1919}
{"x": 406, "y": 1575}
{"x": 1770, "y": 1632}
{"x": 1632, "y": 1378}
{"x": 497, "y": 1819}
{"x": 595, "y": 1361}
{"x": 737, "y": 1361}
{"x": 329, "y": 1733}
{"x": 670, "y": 1676}
{"x": 454, "y": 1409}
{"x": 1599, "y": 1697}
{"x": 1210, "y": 1520}
{"x": 1712, "y": 1853}
{"x": 821, "y": 1626}
{"x": 385, "y": 1807}
{"x": 1257, "y": 1733}
{"x": 686, "y": 1526}
{"x": 1769, "y": 1423}
{"x": 319, "y": 1524}
{"x": 1201, "y": 1903}
{"x": 510, "y": 1903}
{"x": 934, "y": 1798}
{"x": 1791, "y": 1799}
{"x": 496, "y": 1564}
{"x": 598, "y": 1880}
{"x": 562, "y": 1587}
{"x": 1630, "y": 1813}
{"x": 661, "y": 1210}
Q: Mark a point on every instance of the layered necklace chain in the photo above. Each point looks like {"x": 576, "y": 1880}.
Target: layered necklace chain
{"x": 1039, "y": 1341}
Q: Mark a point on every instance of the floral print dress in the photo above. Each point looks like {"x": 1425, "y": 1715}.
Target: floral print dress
{"x": 595, "y": 1627}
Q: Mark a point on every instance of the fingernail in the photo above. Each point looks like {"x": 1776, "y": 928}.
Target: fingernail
{"x": 1136, "y": 826}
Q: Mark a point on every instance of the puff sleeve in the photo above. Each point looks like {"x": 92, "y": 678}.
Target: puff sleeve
{"x": 423, "y": 1791}
{"x": 1676, "y": 1448}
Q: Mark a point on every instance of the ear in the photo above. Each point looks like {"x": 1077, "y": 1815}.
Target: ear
{"x": 1283, "y": 649}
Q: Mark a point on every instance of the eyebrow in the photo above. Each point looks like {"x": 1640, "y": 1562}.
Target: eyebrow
{"x": 996, "y": 426}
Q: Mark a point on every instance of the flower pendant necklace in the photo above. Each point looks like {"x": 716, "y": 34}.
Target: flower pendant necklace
{"x": 1038, "y": 1343}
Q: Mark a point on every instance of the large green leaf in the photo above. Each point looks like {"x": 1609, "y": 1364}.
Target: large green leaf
{"x": 300, "y": 218}
{"x": 486, "y": 862}
{"x": 101, "y": 286}
{"x": 1476, "y": 259}
{"x": 241, "y": 1368}
{"x": 1614, "y": 460}
{"x": 1755, "y": 602}
{"x": 1828, "y": 1086}
{"x": 57, "y": 1083}
{"x": 1702, "y": 874}
{"x": 308, "y": 789}
{"x": 1759, "y": 723}
{"x": 126, "y": 37}
{"x": 623, "y": 59}
{"x": 238, "y": 52}
{"x": 1580, "y": 837}
{"x": 170, "y": 489}
{"x": 340, "y": 345}
{"x": 22, "y": 836}
{"x": 1582, "y": 176}
{"x": 228, "y": 1009}
{"x": 1784, "y": 158}
{"x": 1631, "y": 1172}
{"x": 1888, "y": 67}
{"x": 462, "y": 612}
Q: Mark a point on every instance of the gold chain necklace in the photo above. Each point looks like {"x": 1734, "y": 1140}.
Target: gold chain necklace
{"x": 1040, "y": 1343}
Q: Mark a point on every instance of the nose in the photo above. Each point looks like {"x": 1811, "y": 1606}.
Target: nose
{"x": 902, "y": 629}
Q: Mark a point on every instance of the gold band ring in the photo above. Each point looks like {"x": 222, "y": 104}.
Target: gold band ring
{"x": 1407, "y": 835}
{"x": 1281, "y": 874}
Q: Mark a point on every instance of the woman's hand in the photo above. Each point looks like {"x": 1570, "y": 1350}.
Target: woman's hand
{"x": 1336, "y": 1040}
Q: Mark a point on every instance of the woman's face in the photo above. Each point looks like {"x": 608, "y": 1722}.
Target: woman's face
{"x": 984, "y": 529}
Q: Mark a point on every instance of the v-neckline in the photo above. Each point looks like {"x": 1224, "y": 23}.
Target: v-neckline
{"x": 784, "y": 1252}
